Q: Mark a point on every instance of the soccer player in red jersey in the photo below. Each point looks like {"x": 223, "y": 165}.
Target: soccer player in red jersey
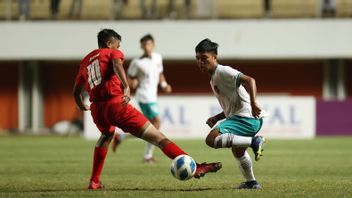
{"x": 102, "y": 75}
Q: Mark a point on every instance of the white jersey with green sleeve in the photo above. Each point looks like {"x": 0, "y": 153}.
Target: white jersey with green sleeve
{"x": 147, "y": 70}
{"x": 232, "y": 96}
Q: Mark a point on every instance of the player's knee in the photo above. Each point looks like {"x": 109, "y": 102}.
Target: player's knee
{"x": 211, "y": 138}
{"x": 163, "y": 142}
{"x": 210, "y": 141}
{"x": 153, "y": 135}
{"x": 104, "y": 140}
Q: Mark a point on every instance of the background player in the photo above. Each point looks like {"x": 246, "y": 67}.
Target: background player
{"x": 144, "y": 75}
{"x": 236, "y": 94}
{"x": 102, "y": 75}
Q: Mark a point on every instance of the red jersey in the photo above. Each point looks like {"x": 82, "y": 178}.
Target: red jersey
{"x": 97, "y": 74}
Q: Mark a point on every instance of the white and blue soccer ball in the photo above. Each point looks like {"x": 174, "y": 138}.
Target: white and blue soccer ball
{"x": 183, "y": 167}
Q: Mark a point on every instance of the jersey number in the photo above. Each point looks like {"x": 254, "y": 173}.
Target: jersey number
{"x": 94, "y": 77}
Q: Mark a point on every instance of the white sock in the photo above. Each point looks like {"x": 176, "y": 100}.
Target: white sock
{"x": 246, "y": 166}
{"x": 230, "y": 140}
{"x": 149, "y": 151}
{"x": 241, "y": 141}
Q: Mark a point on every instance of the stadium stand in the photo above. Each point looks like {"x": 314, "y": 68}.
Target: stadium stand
{"x": 234, "y": 9}
{"x": 344, "y": 8}
{"x": 295, "y": 8}
{"x": 240, "y": 9}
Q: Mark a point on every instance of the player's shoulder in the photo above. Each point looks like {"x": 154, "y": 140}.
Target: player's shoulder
{"x": 109, "y": 52}
{"x": 224, "y": 69}
{"x": 135, "y": 61}
{"x": 119, "y": 52}
{"x": 157, "y": 56}
{"x": 89, "y": 56}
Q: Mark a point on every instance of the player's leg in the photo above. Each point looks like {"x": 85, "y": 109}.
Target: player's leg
{"x": 119, "y": 136}
{"x": 150, "y": 110}
{"x": 102, "y": 145}
{"x": 149, "y": 151}
{"x": 100, "y": 152}
{"x": 217, "y": 139}
{"x": 134, "y": 122}
{"x": 170, "y": 149}
{"x": 246, "y": 166}
{"x": 237, "y": 132}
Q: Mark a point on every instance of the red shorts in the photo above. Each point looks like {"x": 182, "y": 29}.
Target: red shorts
{"x": 110, "y": 114}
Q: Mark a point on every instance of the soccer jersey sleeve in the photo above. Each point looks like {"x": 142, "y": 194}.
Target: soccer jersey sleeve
{"x": 117, "y": 54}
{"x": 132, "y": 69}
{"x": 232, "y": 75}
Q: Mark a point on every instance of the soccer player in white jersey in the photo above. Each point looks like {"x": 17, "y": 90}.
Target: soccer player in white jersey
{"x": 236, "y": 93}
{"x": 145, "y": 73}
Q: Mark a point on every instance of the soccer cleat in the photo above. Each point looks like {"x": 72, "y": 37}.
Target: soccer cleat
{"x": 95, "y": 185}
{"x": 249, "y": 185}
{"x": 116, "y": 141}
{"x": 205, "y": 168}
{"x": 149, "y": 160}
{"x": 258, "y": 146}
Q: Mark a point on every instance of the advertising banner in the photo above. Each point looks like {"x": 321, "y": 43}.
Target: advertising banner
{"x": 184, "y": 117}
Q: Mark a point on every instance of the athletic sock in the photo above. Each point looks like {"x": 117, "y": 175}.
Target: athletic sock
{"x": 246, "y": 166}
{"x": 98, "y": 163}
{"x": 241, "y": 141}
{"x": 148, "y": 151}
{"x": 172, "y": 150}
{"x": 230, "y": 140}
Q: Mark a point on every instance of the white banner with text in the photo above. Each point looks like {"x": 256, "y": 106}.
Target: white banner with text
{"x": 184, "y": 117}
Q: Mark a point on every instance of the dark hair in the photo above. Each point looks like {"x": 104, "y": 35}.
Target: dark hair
{"x": 207, "y": 45}
{"x": 105, "y": 34}
{"x": 146, "y": 37}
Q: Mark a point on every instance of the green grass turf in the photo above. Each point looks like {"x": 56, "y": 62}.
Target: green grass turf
{"x": 60, "y": 167}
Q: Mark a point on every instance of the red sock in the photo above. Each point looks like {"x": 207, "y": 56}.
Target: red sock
{"x": 172, "y": 150}
{"x": 98, "y": 163}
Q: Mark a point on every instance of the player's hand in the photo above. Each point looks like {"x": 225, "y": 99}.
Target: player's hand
{"x": 167, "y": 89}
{"x": 126, "y": 96}
{"x": 212, "y": 121}
{"x": 255, "y": 110}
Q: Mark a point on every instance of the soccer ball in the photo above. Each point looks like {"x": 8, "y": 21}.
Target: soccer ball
{"x": 183, "y": 167}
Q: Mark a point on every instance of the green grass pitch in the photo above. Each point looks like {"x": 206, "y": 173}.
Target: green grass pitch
{"x": 60, "y": 167}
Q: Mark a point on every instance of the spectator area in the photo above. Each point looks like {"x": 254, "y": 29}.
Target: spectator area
{"x": 224, "y": 9}
{"x": 295, "y": 8}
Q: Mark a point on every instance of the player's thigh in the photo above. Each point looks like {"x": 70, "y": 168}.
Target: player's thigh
{"x": 156, "y": 122}
{"x": 149, "y": 110}
{"x": 240, "y": 126}
{"x": 97, "y": 112}
{"x": 128, "y": 118}
{"x": 152, "y": 113}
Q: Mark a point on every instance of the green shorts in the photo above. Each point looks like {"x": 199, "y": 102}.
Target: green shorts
{"x": 149, "y": 110}
{"x": 240, "y": 126}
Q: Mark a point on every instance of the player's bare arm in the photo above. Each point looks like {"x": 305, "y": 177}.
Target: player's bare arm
{"x": 214, "y": 119}
{"x": 250, "y": 86}
{"x": 133, "y": 82}
{"x": 164, "y": 85}
{"x": 120, "y": 72}
{"x": 77, "y": 94}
